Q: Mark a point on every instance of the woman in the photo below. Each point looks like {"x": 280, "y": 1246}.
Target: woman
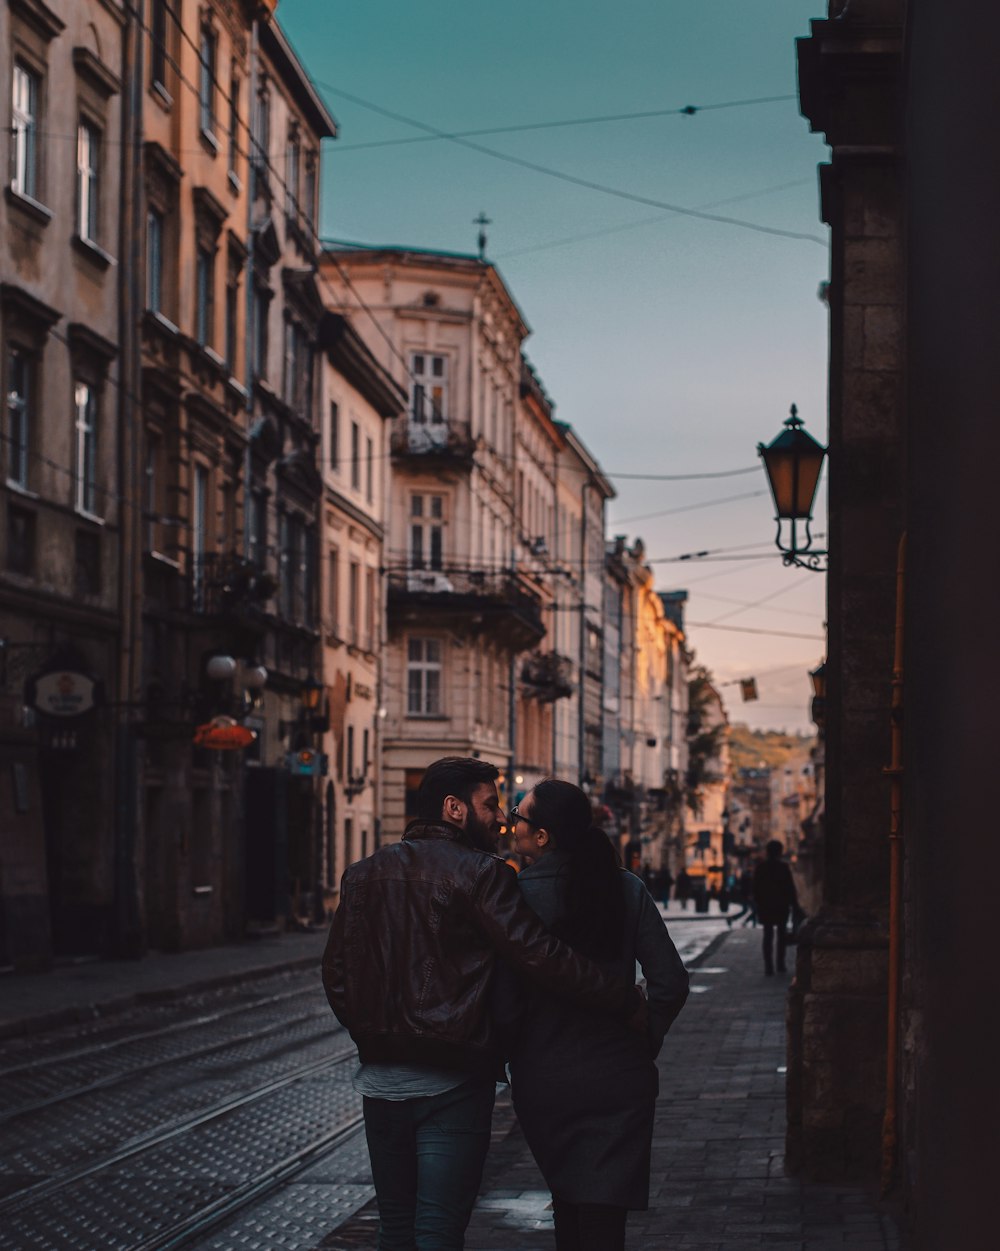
{"x": 584, "y": 1086}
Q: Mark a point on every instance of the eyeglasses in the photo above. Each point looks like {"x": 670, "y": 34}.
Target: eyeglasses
{"x": 514, "y": 816}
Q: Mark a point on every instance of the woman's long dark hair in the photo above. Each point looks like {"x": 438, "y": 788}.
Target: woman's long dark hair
{"x": 595, "y": 921}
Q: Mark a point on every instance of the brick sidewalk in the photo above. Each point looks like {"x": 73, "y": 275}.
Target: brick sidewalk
{"x": 718, "y": 1182}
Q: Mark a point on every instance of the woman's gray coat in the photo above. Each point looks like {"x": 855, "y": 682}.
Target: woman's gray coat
{"x": 584, "y": 1086}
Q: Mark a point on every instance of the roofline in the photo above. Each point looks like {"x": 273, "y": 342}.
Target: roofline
{"x": 351, "y": 356}
{"x": 430, "y": 257}
{"x": 581, "y": 449}
{"x": 275, "y": 44}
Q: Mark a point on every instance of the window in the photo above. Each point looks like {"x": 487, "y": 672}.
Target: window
{"x": 88, "y": 141}
{"x": 333, "y": 589}
{"x": 206, "y": 80}
{"x": 87, "y": 565}
{"x": 20, "y": 540}
{"x": 260, "y": 144}
{"x": 256, "y": 524}
{"x": 293, "y": 160}
{"x": 429, "y": 400}
{"x": 19, "y": 415}
{"x": 232, "y": 320}
{"x": 24, "y": 127}
{"x": 154, "y": 260}
{"x": 298, "y": 565}
{"x": 350, "y": 753}
{"x": 204, "y": 296}
{"x": 307, "y": 614}
{"x": 370, "y": 639}
{"x": 426, "y": 531}
{"x": 309, "y": 193}
{"x": 199, "y": 533}
{"x": 154, "y": 474}
{"x": 365, "y": 742}
{"x": 86, "y": 448}
{"x": 369, "y": 471}
{"x": 353, "y": 588}
{"x": 234, "y": 123}
{"x": 158, "y": 30}
{"x": 333, "y": 440}
{"x": 355, "y": 456}
{"x": 261, "y": 308}
{"x": 298, "y": 369}
{"x": 423, "y": 677}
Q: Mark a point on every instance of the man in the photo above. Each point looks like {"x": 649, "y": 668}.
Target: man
{"x": 774, "y": 898}
{"x": 408, "y": 969}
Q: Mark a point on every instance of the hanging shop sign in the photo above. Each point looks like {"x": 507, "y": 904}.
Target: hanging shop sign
{"x": 63, "y": 693}
{"x": 307, "y": 763}
{"x": 224, "y": 734}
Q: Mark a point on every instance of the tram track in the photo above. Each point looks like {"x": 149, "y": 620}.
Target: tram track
{"x": 199, "y": 1223}
{"x": 122, "y": 1076}
{"x": 29, "y": 1197}
{"x": 164, "y": 1031}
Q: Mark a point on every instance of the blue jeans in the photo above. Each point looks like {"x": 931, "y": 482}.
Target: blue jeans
{"x": 427, "y": 1162}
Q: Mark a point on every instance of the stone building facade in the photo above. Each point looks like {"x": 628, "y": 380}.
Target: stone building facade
{"x": 359, "y": 404}
{"x": 63, "y": 499}
{"x": 889, "y": 1077}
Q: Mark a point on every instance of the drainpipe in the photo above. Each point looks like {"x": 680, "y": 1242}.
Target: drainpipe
{"x": 248, "y": 301}
{"x": 129, "y": 936}
{"x": 895, "y": 774}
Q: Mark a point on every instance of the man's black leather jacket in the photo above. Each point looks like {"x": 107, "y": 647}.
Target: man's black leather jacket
{"x": 409, "y": 963}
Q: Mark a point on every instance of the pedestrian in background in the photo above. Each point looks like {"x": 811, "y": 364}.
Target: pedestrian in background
{"x": 584, "y": 1087}
{"x": 408, "y": 969}
{"x": 746, "y": 894}
{"x": 774, "y": 896}
{"x": 684, "y": 888}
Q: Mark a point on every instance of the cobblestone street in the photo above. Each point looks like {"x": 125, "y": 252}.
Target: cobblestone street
{"x": 218, "y": 1114}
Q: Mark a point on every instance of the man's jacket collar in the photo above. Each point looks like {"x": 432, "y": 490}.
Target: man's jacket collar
{"x": 419, "y": 830}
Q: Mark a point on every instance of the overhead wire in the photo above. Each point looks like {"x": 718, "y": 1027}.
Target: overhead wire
{"x": 687, "y": 110}
{"x": 573, "y": 179}
{"x": 126, "y": 501}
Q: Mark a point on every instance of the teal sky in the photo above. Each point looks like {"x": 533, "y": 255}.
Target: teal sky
{"x": 672, "y": 344}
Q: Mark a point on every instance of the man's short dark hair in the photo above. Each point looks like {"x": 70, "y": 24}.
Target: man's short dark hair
{"x": 451, "y": 775}
{"x": 774, "y": 848}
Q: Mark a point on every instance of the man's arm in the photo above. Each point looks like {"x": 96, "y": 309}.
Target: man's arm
{"x": 517, "y": 935}
{"x": 333, "y": 962}
{"x": 667, "y": 981}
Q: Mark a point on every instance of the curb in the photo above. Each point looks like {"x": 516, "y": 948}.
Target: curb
{"x": 82, "y": 1013}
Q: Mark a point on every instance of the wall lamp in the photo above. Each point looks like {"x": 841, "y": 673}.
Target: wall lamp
{"x": 793, "y": 462}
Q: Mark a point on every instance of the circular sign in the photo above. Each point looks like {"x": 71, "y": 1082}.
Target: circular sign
{"x": 64, "y": 693}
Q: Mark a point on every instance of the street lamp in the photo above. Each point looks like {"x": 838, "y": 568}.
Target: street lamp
{"x": 793, "y": 462}
{"x": 310, "y": 694}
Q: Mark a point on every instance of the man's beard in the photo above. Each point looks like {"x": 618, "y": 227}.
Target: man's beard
{"x": 480, "y": 834}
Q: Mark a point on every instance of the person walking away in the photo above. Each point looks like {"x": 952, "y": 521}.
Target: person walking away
{"x": 746, "y": 894}
{"x": 408, "y": 969}
{"x": 774, "y": 897}
{"x": 665, "y": 885}
{"x": 584, "y": 1088}
{"x": 684, "y": 888}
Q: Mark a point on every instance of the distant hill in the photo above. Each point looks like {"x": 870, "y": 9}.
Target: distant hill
{"x": 747, "y": 748}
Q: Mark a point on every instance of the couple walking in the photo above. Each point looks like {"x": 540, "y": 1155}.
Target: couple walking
{"x": 443, "y": 964}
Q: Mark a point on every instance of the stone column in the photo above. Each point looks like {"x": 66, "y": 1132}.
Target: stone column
{"x": 848, "y": 71}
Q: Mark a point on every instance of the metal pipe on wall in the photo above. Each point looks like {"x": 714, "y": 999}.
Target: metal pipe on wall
{"x": 890, "y": 1134}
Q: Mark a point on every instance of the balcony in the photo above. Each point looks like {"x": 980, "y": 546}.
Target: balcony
{"x": 439, "y": 439}
{"x": 547, "y": 676}
{"x": 228, "y": 585}
{"x": 494, "y": 602}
